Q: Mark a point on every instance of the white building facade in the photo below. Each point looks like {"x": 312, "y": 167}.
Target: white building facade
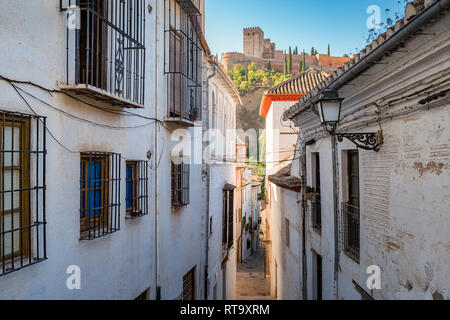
{"x": 376, "y": 226}
{"x": 93, "y": 179}
{"x": 220, "y": 182}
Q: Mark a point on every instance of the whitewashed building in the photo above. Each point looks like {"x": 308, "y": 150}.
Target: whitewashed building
{"x": 95, "y": 204}
{"x": 283, "y": 270}
{"x": 378, "y": 226}
{"x": 221, "y": 210}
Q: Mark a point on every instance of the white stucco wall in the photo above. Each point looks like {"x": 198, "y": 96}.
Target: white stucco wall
{"x": 116, "y": 266}
{"x": 404, "y": 200}
{"x": 280, "y": 138}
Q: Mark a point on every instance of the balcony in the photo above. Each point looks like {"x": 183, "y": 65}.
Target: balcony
{"x": 105, "y": 53}
{"x": 350, "y": 231}
{"x": 183, "y": 61}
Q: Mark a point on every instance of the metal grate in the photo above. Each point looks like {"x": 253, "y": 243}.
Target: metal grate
{"x": 183, "y": 60}
{"x": 22, "y": 191}
{"x": 228, "y": 217}
{"x": 189, "y": 285}
{"x": 136, "y": 182}
{"x": 106, "y": 50}
{"x": 99, "y": 194}
{"x": 316, "y": 213}
{"x": 349, "y": 226}
{"x": 180, "y": 182}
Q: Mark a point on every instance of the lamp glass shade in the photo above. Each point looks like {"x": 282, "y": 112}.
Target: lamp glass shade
{"x": 329, "y": 111}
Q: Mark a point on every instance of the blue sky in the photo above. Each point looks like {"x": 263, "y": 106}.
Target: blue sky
{"x": 302, "y": 23}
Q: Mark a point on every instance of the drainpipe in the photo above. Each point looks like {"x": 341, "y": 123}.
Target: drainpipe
{"x": 303, "y": 202}
{"x": 336, "y": 214}
{"x": 158, "y": 290}
{"x": 208, "y": 184}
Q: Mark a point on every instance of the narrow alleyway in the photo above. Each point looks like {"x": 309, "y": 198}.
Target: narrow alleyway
{"x": 250, "y": 282}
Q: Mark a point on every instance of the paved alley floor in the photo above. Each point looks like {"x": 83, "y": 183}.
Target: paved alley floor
{"x": 250, "y": 282}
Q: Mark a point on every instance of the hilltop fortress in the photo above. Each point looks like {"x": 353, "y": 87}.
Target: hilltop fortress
{"x": 261, "y": 50}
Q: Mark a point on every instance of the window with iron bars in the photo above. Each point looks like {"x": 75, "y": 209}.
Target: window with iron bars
{"x": 350, "y": 231}
{"x": 180, "y": 181}
{"x": 22, "y": 191}
{"x": 316, "y": 213}
{"x": 227, "y": 217}
{"x": 99, "y": 194}
{"x": 183, "y": 59}
{"x": 136, "y": 182}
{"x": 106, "y": 49}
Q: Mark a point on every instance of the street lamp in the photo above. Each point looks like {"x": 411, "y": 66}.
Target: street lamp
{"x": 329, "y": 106}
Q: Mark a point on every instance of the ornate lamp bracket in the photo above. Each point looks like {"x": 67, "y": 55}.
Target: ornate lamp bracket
{"x": 366, "y": 141}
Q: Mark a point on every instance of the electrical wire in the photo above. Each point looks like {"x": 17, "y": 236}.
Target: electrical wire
{"x": 49, "y": 91}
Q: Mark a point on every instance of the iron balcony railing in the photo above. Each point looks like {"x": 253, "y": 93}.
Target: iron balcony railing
{"x": 316, "y": 212}
{"x": 183, "y": 59}
{"x": 350, "y": 231}
{"x": 106, "y": 51}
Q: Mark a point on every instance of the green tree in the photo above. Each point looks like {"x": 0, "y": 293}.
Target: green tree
{"x": 329, "y": 50}
{"x": 269, "y": 66}
{"x": 313, "y": 51}
{"x": 285, "y": 71}
{"x": 290, "y": 61}
{"x": 303, "y": 68}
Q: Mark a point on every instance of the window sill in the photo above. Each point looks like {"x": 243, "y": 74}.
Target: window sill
{"x": 351, "y": 256}
{"x": 17, "y": 261}
{"x": 135, "y": 215}
{"x": 179, "y": 122}
{"x": 94, "y": 234}
{"x": 99, "y": 94}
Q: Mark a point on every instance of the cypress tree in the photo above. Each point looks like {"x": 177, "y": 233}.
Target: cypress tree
{"x": 329, "y": 50}
{"x": 290, "y": 61}
{"x": 304, "y": 61}
{"x": 285, "y": 65}
{"x": 269, "y": 66}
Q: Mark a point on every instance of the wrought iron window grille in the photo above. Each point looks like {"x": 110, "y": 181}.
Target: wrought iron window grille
{"x": 350, "y": 231}
{"x": 316, "y": 213}
{"x": 99, "y": 194}
{"x": 183, "y": 59}
{"x": 106, "y": 50}
{"x": 227, "y": 218}
{"x": 136, "y": 181}
{"x": 180, "y": 181}
{"x": 23, "y": 238}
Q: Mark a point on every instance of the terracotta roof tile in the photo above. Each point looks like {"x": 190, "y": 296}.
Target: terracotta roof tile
{"x": 301, "y": 83}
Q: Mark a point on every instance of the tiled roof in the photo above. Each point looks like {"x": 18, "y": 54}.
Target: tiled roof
{"x": 412, "y": 9}
{"x": 292, "y": 89}
{"x": 300, "y": 83}
{"x": 284, "y": 179}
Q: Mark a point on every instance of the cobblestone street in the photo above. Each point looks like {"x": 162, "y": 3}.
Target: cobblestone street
{"x": 250, "y": 282}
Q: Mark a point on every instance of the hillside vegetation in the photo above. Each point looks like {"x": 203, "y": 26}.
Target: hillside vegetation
{"x": 248, "y": 79}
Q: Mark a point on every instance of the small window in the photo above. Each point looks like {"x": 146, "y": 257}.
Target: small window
{"x": 99, "y": 194}
{"x": 22, "y": 191}
{"x": 136, "y": 182}
{"x": 287, "y": 235}
{"x": 227, "y": 216}
{"x": 144, "y": 295}
{"x": 180, "y": 181}
{"x": 189, "y": 285}
{"x": 210, "y": 225}
{"x": 316, "y": 206}
{"x": 350, "y": 214}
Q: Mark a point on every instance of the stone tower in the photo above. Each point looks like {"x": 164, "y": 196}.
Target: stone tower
{"x": 254, "y": 42}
